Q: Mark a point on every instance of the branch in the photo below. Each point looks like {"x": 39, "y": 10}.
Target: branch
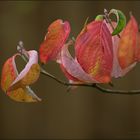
{"x": 122, "y": 92}
{"x": 63, "y": 82}
{"x": 25, "y": 56}
{"x": 96, "y": 86}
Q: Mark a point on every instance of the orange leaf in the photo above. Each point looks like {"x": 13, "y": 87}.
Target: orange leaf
{"x": 16, "y": 85}
{"x": 127, "y": 44}
{"x": 55, "y": 38}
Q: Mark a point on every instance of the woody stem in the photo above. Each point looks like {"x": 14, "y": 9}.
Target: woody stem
{"x": 96, "y": 86}
{"x": 63, "y": 82}
{"x": 25, "y": 56}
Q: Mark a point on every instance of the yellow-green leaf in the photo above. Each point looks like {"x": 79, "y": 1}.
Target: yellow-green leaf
{"x": 121, "y": 21}
{"x": 99, "y": 17}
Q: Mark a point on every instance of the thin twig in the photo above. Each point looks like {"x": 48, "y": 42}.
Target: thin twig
{"x": 24, "y": 55}
{"x": 63, "y": 82}
{"x": 96, "y": 86}
{"x": 122, "y": 92}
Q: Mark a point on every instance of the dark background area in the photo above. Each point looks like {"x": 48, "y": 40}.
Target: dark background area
{"x": 83, "y": 113}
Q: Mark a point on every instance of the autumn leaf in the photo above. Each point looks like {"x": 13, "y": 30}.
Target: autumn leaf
{"x": 94, "y": 51}
{"x": 55, "y": 38}
{"x": 127, "y": 44}
{"x": 117, "y": 71}
{"x": 16, "y": 85}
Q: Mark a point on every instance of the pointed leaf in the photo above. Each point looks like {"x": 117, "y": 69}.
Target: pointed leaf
{"x": 94, "y": 51}
{"x": 16, "y": 85}
{"x": 127, "y": 44}
{"x": 121, "y": 21}
{"x": 55, "y": 38}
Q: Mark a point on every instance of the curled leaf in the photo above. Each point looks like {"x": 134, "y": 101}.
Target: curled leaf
{"x": 72, "y": 69}
{"x": 121, "y": 21}
{"x": 94, "y": 51}
{"x": 16, "y": 85}
{"x": 55, "y": 38}
{"x": 68, "y": 75}
{"x": 127, "y": 44}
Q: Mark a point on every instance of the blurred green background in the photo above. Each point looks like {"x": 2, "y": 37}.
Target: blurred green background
{"x": 83, "y": 113}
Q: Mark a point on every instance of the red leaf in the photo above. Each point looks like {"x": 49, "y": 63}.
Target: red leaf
{"x": 94, "y": 51}
{"x": 127, "y": 44}
{"x": 55, "y": 38}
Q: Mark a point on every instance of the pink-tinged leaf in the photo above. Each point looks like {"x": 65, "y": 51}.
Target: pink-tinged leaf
{"x": 94, "y": 51}
{"x": 71, "y": 79}
{"x": 116, "y": 70}
{"x": 16, "y": 85}
{"x": 55, "y": 38}
{"x": 68, "y": 76}
{"x": 127, "y": 44}
{"x": 30, "y": 73}
{"x": 72, "y": 69}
